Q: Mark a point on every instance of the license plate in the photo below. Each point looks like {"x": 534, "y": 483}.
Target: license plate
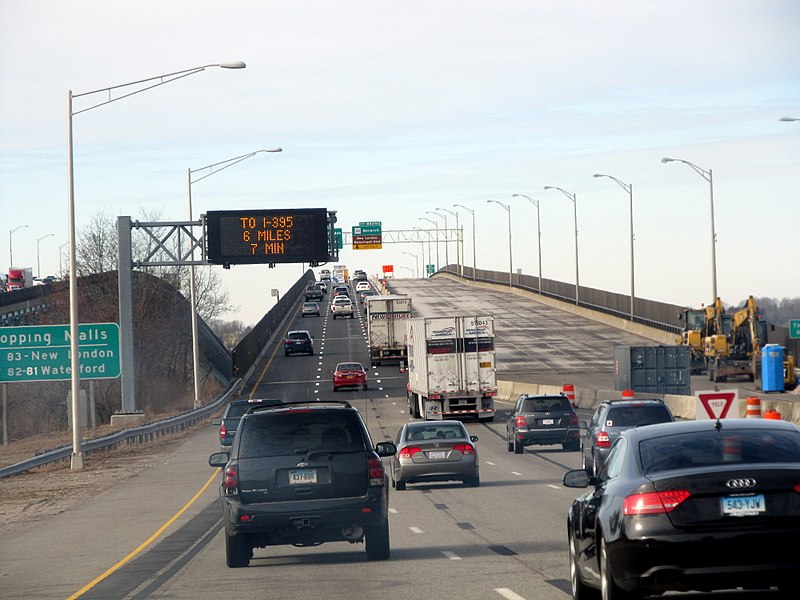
{"x": 437, "y": 454}
{"x": 547, "y": 421}
{"x": 743, "y": 506}
{"x": 302, "y": 476}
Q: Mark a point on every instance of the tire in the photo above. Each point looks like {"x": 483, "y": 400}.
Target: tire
{"x": 377, "y": 538}
{"x": 364, "y": 387}
{"x": 586, "y": 465}
{"x": 285, "y": 353}
{"x": 570, "y": 446}
{"x": 608, "y": 587}
{"x": 580, "y": 591}
{"x": 519, "y": 448}
{"x": 400, "y": 485}
{"x": 473, "y": 482}
{"x": 335, "y": 390}
{"x": 237, "y": 551}
{"x": 510, "y": 445}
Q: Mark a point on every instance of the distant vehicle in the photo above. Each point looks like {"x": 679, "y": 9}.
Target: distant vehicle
{"x": 362, "y": 286}
{"x": 359, "y": 275}
{"x": 349, "y": 374}
{"x": 19, "y": 278}
{"x": 298, "y": 341}
{"x": 233, "y": 413}
{"x": 304, "y": 474}
{"x": 325, "y": 274}
{"x": 322, "y": 286}
{"x": 387, "y": 331}
{"x": 48, "y": 279}
{"x": 690, "y": 505}
{"x": 310, "y": 309}
{"x": 610, "y": 419}
{"x": 364, "y": 294}
{"x": 313, "y": 293}
{"x": 340, "y": 274}
{"x": 542, "y": 420}
{"x": 341, "y": 290}
{"x": 342, "y": 306}
{"x": 437, "y": 451}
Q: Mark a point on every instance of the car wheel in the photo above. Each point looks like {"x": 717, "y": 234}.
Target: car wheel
{"x": 285, "y": 353}
{"x": 399, "y": 485}
{"x": 377, "y": 537}
{"x": 473, "y": 481}
{"x": 571, "y": 446}
{"x": 608, "y": 587}
{"x": 580, "y": 591}
{"x": 595, "y": 465}
{"x": 237, "y": 551}
{"x": 586, "y": 465}
{"x": 364, "y": 387}
{"x": 510, "y": 445}
{"x": 518, "y": 447}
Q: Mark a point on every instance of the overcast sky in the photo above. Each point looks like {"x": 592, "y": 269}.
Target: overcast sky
{"x": 387, "y": 110}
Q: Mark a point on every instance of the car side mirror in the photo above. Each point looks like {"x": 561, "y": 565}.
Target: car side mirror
{"x": 473, "y": 438}
{"x": 219, "y": 459}
{"x": 583, "y": 425}
{"x": 385, "y": 449}
{"x": 577, "y": 478}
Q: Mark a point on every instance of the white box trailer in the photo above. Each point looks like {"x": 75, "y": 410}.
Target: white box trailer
{"x": 451, "y": 367}
{"x": 386, "y": 328}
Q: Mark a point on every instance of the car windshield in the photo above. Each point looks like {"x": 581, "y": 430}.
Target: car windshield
{"x": 714, "y": 448}
{"x": 633, "y": 416}
{"x": 300, "y": 432}
{"x": 435, "y": 432}
{"x": 553, "y": 403}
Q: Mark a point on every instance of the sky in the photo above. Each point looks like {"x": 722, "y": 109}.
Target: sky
{"x": 386, "y": 111}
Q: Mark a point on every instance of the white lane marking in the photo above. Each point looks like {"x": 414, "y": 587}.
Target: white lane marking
{"x": 378, "y": 381}
{"x": 318, "y": 375}
{"x": 416, "y": 530}
{"x": 316, "y": 383}
{"x": 394, "y": 403}
{"x": 507, "y": 593}
{"x": 555, "y": 487}
{"x": 515, "y": 473}
{"x": 319, "y": 368}
{"x": 451, "y": 555}
{"x": 489, "y": 463}
{"x": 393, "y": 511}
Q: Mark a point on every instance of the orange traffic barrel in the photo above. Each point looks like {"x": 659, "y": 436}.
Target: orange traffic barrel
{"x": 753, "y": 407}
{"x": 772, "y": 414}
{"x": 569, "y": 391}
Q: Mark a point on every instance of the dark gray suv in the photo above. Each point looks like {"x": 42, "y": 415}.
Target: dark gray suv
{"x": 610, "y": 419}
{"x": 302, "y": 474}
{"x": 542, "y": 420}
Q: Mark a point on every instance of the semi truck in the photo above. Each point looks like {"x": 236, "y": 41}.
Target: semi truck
{"x": 386, "y": 328}
{"x": 19, "y": 278}
{"x": 340, "y": 274}
{"x": 451, "y": 367}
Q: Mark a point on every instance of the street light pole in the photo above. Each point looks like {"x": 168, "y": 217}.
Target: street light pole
{"x": 510, "y": 256}
{"x": 416, "y": 261}
{"x": 708, "y": 176}
{"x": 628, "y": 187}
{"x": 472, "y": 213}
{"x": 446, "y": 257}
{"x": 10, "y": 247}
{"x": 435, "y": 224}
{"x": 572, "y": 197}
{"x": 458, "y": 256}
{"x": 38, "y": 264}
{"x": 77, "y": 456}
{"x": 538, "y": 232}
{"x": 192, "y": 280}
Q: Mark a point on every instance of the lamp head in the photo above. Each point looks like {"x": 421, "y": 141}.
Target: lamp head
{"x": 666, "y": 160}
{"x": 549, "y": 187}
{"x": 598, "y": 175}
{"x": 237, "y": 64}
{"x": 271, "y": 150}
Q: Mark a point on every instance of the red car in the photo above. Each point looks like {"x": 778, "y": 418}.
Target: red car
{"x": 349, "y": 374}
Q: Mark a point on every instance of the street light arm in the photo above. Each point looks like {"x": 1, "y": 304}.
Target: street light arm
{"x": 531, "y": 200}
{"x": 702, "y": 172}
{"x": 161, "y": 80}
{"x": 622, "y": 184}
{"x": 228, "y": 163}
{"x": 565, "y": 192}
{"x": 452, "y": 212}
{"x": 506, "y": 206}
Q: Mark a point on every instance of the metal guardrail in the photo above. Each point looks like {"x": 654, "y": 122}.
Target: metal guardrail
{"x": 132, "y": 436}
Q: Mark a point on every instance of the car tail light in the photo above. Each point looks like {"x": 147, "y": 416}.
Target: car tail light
{"x": 408, "y": 451}
{"x": 601, "y": 440}
{"x": 230, "y": 480}
{"x": 653, "y": 503}
{"x": 520, "y": 421}
{"x": 376, "y": 472}
{"x": 464, "y": 448}
{"x": 223, "y": 432}
{"x": 573, "y": 419}
{"x": 797, "y": 488}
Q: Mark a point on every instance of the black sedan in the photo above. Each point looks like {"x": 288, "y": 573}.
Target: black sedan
{"x": 692, "y": 505}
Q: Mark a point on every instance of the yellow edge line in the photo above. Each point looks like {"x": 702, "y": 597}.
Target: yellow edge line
{"x": 144, "y": 544}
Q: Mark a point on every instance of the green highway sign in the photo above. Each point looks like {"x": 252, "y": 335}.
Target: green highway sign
{"x": 794, "y": 329}
{"x": 429, "y": 269}
{"x": 42, "y": 352}
{"x": 337, "y": 233}
{"x": 367, "y": 229}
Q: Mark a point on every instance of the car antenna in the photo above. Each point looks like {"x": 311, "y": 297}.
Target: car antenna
{"x": 718, "y": 424}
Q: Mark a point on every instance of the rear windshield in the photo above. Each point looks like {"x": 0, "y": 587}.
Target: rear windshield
{"x": 630, "y": 416}
{"x": 716, "y": 448}
{"x": 299, "y": 432}
{"x": 298, "y": 336}
{"x": 237, "y": 409}
{"x": 435, "y": 432}
{"x": 350, "y": 367}
{"x": 551, "y": 404}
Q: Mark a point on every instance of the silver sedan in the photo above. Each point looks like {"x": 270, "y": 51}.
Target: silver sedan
{"x": 435, "y": 451}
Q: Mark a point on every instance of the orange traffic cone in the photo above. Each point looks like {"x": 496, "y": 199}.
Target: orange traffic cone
{"x": 772, "y": 414}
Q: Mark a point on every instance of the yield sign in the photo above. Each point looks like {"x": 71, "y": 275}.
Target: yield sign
{"x": 717, "y": 404}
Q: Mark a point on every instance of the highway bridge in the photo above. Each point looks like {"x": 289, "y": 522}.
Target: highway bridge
{"x": 158, "y": 535}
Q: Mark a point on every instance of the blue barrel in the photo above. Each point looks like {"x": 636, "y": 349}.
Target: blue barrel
{"x": 772, "y": 368}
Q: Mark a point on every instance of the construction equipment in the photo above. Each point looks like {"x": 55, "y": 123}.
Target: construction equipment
{"x": 698, "y": 324}
{"x": 733, "y": 349}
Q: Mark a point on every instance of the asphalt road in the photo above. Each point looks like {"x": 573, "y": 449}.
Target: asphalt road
{"x": 159, "y": 535}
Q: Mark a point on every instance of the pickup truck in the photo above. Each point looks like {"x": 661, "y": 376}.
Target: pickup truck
{"x": 313, "y": 294}
{"x": 342, "y": 306}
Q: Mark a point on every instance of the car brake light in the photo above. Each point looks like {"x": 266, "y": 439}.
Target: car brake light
{"x": 520, "y": 421}
{"x": 797, "y": 488}
{"x": 601, "y": 440}
{"x": 653, "y": 503}
{"x": 223, "y": 432}
{"x": 464, "y": 448}
{"x": 573, "y": 419}
{"x": 230, "y": 481}
{"x": 408, "y": 451}
{"x": 376, "y": 472}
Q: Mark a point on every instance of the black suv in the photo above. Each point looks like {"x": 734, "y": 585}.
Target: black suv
{"x": 610, "y": 419}
{"x": 313, "y": 293}
{"x": 302, "y": 474}
{"x": 298, "y": 341}
{"x": 230, "y": 418}
{"x": 542, "y": 420}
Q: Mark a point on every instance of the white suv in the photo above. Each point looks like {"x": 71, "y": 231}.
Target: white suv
{"x": 342, "y": 306}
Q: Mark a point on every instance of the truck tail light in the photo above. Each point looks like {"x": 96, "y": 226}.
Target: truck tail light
{"x": 464, "y": 448}
{"x": 653, "y": 503}
{"x": 601, "y": 440}
{"x": 376, "y": 472}
{"x": 408, "y": 451}
{"x": 230, "y": 480}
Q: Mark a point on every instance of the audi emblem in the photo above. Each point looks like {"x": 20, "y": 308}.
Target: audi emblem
{"x": 738, "y": 484}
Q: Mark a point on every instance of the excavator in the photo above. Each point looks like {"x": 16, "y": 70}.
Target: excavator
{"x": 698, "y": 324}
{"x": 734, "y": 349}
